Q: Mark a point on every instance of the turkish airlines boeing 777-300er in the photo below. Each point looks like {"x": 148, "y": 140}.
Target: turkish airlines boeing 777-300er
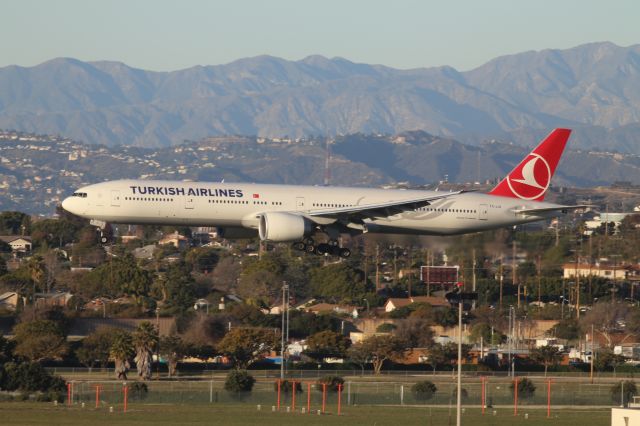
{"x": 289, "y": 213}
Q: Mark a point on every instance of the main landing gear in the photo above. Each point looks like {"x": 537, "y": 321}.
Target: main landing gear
{"x": 323, "y": 249}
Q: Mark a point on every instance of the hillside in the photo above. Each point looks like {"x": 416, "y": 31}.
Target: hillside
{"x": 591, "y": 87}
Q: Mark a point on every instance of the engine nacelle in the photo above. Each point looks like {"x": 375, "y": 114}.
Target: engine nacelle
{"x": 281, "y": 227}
{"x": 236, "y": 233}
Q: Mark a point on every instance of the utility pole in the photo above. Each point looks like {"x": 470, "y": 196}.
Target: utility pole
{"x": 459, "y": 391}
{"x": 285, "y": 327}
{"x": 591, "y": 358}
{"x": 539, "y": 290}
{"x": 395, "y": 266}
{"x": 514, "y": 278}
{"x": 410, "y": 269}
{"x": 577, "y": 284}
{"x": 377, "y": 268}
{"x": 501, "y": 278}
{"x": 473, "y": 277}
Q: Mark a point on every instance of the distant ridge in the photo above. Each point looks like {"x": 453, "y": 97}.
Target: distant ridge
{"x": 593, "y": 88}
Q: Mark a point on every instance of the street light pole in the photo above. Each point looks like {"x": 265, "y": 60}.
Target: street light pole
{"x": 459, "y": 391}
{"x": 285, "y": 288}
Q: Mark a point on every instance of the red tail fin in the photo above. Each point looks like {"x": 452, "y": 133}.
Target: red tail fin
{"x": 531, "y": 178}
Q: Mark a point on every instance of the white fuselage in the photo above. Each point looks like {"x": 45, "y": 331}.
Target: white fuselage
{"x": 241, "y": 204}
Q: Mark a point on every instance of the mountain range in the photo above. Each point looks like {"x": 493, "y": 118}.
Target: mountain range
{"x": 593, "y": 88}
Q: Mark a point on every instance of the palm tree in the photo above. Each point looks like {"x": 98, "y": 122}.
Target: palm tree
{"x": 145, "y": 339}
{"x": 121, "y": 350}
{"x": 37, "y": 273}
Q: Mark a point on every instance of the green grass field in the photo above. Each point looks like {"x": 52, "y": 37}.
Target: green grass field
{"x": 27, "y": 413}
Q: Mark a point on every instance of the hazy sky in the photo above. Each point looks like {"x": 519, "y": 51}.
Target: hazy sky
{"x": 170, "y": 35}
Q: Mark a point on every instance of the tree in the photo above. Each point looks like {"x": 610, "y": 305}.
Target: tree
{"x": 337, "y": 282}
{"x": 605, "y": 359}
{"x": 567, "y": 328}
{"x": 37, "y": 272}
{"x": 40, "y": 340}
{"x": 120, "y": 276}
{"x": 239, "y": 381}
{"x": 145, "y": 339}
{"x": 173, "y": 349}
{"x": 6, "y": 350}
{"x": 489, "y": 336}
{"x": 415, "y": 332}
{"x": 261, "y": 279}
{"x": 202, "y": 259}
{"x": 179, "y": 287}
{"x": 380, "y": 349}
{"x": 247, "y": 345}
{"x": 14, "y": 223}
{"x": 623, "y": 391}
{"x": 96, "y": 347}
{"x": 121, "y": 351}
{"x": 526, "y": 388}
{"x": 605, "y": 317}
{"x": 327, "y": 344}
{"x": 358, "y": 355}
{"x": 423, "y": 391}
{"x": 545, "y": 355}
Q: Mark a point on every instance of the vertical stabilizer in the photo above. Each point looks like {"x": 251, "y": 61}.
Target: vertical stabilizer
{"x": 530, "y": 179}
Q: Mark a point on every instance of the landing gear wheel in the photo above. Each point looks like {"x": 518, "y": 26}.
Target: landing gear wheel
{"x": 323, "y": 249}
{"x": 104, "y": 240}
{"x": 310, "y": 248}
{"x": 300, "y": 246}
{"x": 309, "y": 241}
{"x": 333, "y": 243}
{"x": 344, "y": 253}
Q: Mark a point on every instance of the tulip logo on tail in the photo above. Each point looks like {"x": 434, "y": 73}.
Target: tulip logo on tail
{"x": 530, "y": 181}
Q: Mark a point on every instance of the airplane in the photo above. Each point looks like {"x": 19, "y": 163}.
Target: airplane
{"x": 297, "y": 214}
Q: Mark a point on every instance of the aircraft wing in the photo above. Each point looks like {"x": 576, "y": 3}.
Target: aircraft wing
{"x": 561, "y": 209}
{"x": 378, "y": 210}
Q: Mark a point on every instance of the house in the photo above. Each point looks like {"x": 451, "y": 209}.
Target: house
{"x": 126, "y": 239}
{"x": 394, "y": 303}
{"x": 145, "y": 252}
{"x": 10, "y": 300}
{"x": 612, "y": 272}
{"x": 60, "y": 299}
{"x": 175, "y": 239}
{"x": 320, "y": 308}
{"x": 19, "y": 244}
{"x": 82, "y": 327}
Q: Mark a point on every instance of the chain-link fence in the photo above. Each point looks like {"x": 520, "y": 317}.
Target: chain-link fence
{"x": 355, "y": 391}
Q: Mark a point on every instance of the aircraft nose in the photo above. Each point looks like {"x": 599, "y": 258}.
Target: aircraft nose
{"x": 67, "y": 204}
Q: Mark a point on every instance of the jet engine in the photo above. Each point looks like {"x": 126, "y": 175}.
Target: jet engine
{"x": 279, "y": 227}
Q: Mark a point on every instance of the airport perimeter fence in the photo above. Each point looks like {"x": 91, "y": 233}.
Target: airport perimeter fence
{"x": 497, "y": 394}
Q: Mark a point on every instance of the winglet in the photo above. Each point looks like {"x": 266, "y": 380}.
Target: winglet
{"x": 530, "y": 179}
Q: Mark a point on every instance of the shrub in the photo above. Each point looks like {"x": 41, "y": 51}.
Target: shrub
{"x": 526, "y": 388}
{"x": 31, "y": 377}
{"x": 332, "y": 383}
{"x": 463, "y": 392}
{"x": 138, "y": 391}
{"x": 239, "y": 381}
{"x": 624, "y": 389}
{"x": 386, "y": 327}
{"x": 424, "y": 391}
{"x": 286, "y": 386}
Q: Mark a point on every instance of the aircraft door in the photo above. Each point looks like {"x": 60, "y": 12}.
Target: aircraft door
{"x": 483, "y": 212}
{"x": 115, "y": 198}
{"x": 188, "y": 202}
{"x": 299, "y": 203}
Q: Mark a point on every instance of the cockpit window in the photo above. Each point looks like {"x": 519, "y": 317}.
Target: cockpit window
{"x": 80, "y": 194}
